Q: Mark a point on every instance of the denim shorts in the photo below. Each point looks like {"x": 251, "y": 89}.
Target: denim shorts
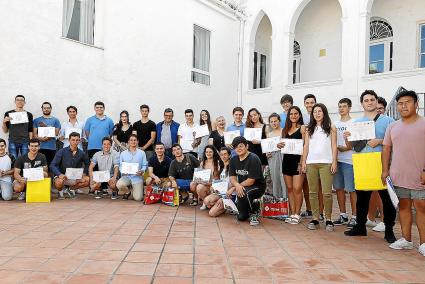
{"x": 183, "y": 184}
{"x": 344, "y": 177}
{"x": 405, "y": 193}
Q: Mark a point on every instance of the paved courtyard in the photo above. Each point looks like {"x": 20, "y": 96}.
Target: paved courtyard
{"x": 103, "y": 241}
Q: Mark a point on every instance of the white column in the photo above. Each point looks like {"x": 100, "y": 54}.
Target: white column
{"x": 279, "y": 70}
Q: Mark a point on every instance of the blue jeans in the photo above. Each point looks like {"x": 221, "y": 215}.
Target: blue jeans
{"x": 17, "y": 149}
{"x": 183, "y": 184}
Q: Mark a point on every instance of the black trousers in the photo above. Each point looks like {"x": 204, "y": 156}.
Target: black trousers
{"x": 362, "y": 206}
{"x": 245, "y": 204}
{"x": 50, "y": 155}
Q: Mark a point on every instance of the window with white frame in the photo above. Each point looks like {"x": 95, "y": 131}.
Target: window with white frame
{"x": 201, "y": 55}
{"x": 380, "y": 46}
{"x": 260, "y": 70}
{"x": 296, "y": 63}
{"x": 422, "y": 46}
{"x": 78, "y": 20}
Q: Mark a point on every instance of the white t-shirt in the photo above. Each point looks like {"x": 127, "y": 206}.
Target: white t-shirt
{"x": 319, "y": 148}
{"x": 186, "y": 133}
{"x": 341, "y": 127}
{"x": 6, "y": 165}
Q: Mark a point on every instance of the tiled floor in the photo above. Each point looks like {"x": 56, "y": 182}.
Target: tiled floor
{"x": 103, "y": 241}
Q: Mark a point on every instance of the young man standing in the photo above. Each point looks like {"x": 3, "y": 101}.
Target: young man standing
{"x": 369, "y": 101}
{"x": 405, "y": 140}
{"x": 382, "y": 105}
{"x": 105, "y": 160}
{"x": 48, "y": 144}
{"x": 20, "y": 133}
{"x": 238, "y": 124}
{"x": 33, "y": 159}
{"x": 246, "y": 176}
{"x": 145, "y": 129}
{"x": 134, "y": 181}
{"x": 343, "y": 180}
{"x": 71, "y": 124}
{"x": 166, "y": 132}
{"x": 97, "y": 127}
{"x": 70, "y": 157}
{"x": 186, "y": 134}
{"x": 6, "y": 172}
{"x": 158, "y": 167}
{"x": 309, "y": 102}
{"x": 286, "y": 102}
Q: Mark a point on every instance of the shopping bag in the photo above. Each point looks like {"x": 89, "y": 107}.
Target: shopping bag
{"x": 170, "y": 197}
{"x": 272, "y": 207}
{"x": 38, "y": 191}
{"x": 153, "y": 194}
{"x": 368, "y": 171}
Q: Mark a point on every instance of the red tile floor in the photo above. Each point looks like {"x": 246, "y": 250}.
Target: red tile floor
{"x": 104, "y": 241}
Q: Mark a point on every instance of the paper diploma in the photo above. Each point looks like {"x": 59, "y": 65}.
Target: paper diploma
{"x": 221, "y": 187}
{"x": 391, "y": 192}
{"x": 101, "y": 176}
{"x": 18, "y": 117}
{"x": 253, "y": 134}
{"x": 230, "y": 205}
{"x": 364, "y": 130}
{"x": 129, "y": 168}
{"x": 203, "y": 175}
{"x": 293, "y": 146}
{"x": 74, "y": 173}
{"x": 46, "y": 132}
{"x": 202, "y": 131}
{"x": 230, "y": 135}
{"x": 270, "y": 144}
{"x": 34, "y": 174}
{"x": 69, "y": 130}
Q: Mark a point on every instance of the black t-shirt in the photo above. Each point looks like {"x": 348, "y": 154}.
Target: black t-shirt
{"x": 183, "y": 169}
{"x": 19, "y": 133}
{"x": 248, "y": 168}
{"x": 218, "y": 140}
{"x": 23, "y": 162}
{"x": 122, "y": 135}
{"x": 160, "y": 169}
{"x": 143, "y": 131}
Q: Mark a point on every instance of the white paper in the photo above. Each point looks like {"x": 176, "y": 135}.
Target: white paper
{"x": 221, "y": 187}
{"x": 293, "y": 146}
{"x": 129, "y": 168}
{"x": 391, "y": 192}
{"x": 270, "y": 144}
{"x": 18, "y": 117}
{"x": 34, "y": 174}
{"x": 69, "y": 130}
{"x": 364, "y": 130}
{"x": 253, "y": 134}
{"x": 230, "y": 205}
{"x": 202, "y": 131}
{"x": 202, "y": 174}
{"x": 186, "y": 144}
{"x": 46, "y": 132}
{"x": 230, "y": 135}
{"x": 101, "y": 176}
{"x": 74, "y": 173}
{"x": 340, "y": 141}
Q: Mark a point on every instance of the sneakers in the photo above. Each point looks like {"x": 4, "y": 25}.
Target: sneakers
{"x": 253, "y": 221}
{"x": 356, "y": 231}
{"x": 421, "y": 249}
{"x": 125, "y": 196}
{"x": 341, "y": 221}
{"x": 380, "y": 227}
{"x": 194, "y": 202}
{"x": 329, "y": 226}
{"x": 289, "y": 219}
{"x": 313, "y": 225}
{"x": 307, "y": 214}
{"x": 389, "y": 237}
{"x": 351, "y": 223}
{"x": 203, "y": 207}
{"x": 97, "y": 194}
{"x": 60, "y": 195}
{"x": 370, "y": 223}
{"x": 79, "y": 191}
{"x": 401, "y": 244}
{"x": 21, "y": 196}
{"x": 114, "y": 195}
{"x": 105, "y": 192}
{"x": 69, "y": 192}
{"x": 295, "y": 219}
{"x": 321, "y": 218}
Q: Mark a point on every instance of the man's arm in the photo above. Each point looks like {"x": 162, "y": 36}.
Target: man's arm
{"x": 6, "y": 123}
{"x": 385, "y": 159}
{"x": 54, "y": 165}
{"x": 17, "y": 175}
{"x": 151, "y": 141}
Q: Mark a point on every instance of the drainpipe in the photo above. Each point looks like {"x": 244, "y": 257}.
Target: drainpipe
{"x": 240, "y": 61}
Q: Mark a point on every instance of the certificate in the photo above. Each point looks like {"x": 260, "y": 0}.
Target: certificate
{"x": 186, "y": 144}
{"x": 270, "y": 144}
{"x": 129, "y": 168}
{"x": 230, "y": 135}
{"x": 230, "y": 205}
{"x": 203, "y": 175}
{"x": 46, "y": 132}
{"x": 364, "y": 130}
{"x": 74, "y": 173}
{"x": 101, "y": 176}
{"x": 221, "y": 187}
{"x": 69, "y": 130}
{"x": 391, "y": 192}
{"x": 34, "y": 174}
{"x": 253, "y": 134}
{"x": 293, "y": 146}
{"x": 202, "y": 131}
{"x": 18, "y": 117}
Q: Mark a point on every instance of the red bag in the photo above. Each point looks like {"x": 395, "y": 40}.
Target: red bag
{"x": 170, "y": 197}
{"x": 276, "y": 209}
{"x": 153, "y": 194}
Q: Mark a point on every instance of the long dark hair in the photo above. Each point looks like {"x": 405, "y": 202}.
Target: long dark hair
{"x": 288, "y": 122}
{"x": 249, "y": 123}
{"x": 202, "y": 122}
{"x": 216, "y": 159}
{"x": 222, "y": 166}
{"x": 326, "y": 123}
{"x": 118, "y": 126}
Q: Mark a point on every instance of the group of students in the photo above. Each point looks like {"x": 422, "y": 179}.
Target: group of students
{"x": 171, "y": 152}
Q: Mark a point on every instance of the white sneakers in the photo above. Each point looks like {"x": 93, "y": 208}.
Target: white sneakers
{"x": 380, "y": 227}
{"x": 422, "y": 249}
{"x": 403, "y": 244}
{"x": 370, "y": 223}
{"x": 203, "y": 207}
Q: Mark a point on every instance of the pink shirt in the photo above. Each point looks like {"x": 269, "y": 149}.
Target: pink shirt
{"x": 408, "y": 148}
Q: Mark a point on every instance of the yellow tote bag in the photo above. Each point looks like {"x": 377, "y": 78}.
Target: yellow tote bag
{"x": 367, "y": 171}
{"x": 38, "y": 191}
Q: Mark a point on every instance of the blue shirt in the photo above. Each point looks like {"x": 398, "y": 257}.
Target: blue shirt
{"x": 48, "y": 122}
{"x": 64, "y": 159}
{"x": 380, "y": 127}
{"x": 97, "y": 129}
{"x": 283, "y": 116}
{"x": 233, "y": 127}
{"x": 135, "y": 157}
